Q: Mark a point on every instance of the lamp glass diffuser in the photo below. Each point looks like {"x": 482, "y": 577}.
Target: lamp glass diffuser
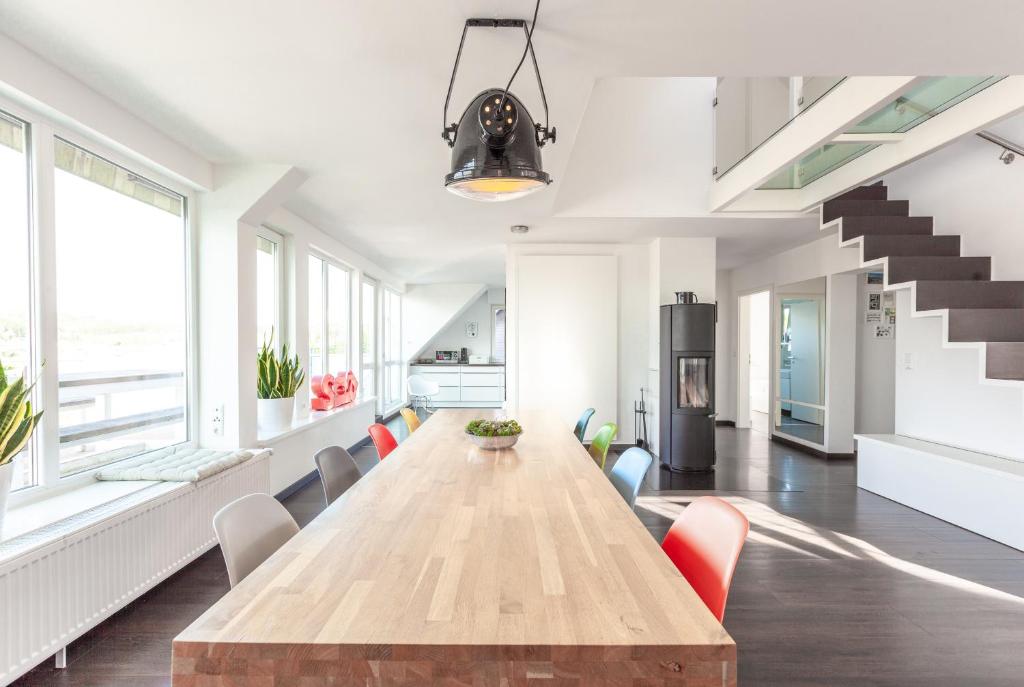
{"x": 496, "y": 155}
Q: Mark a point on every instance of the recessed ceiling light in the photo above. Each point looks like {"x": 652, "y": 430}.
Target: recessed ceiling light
{"x": 520, "y": 228}
{"x": 497, "y": 157}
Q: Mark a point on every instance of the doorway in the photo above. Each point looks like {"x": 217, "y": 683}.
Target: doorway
{"x": 754, "y": 356}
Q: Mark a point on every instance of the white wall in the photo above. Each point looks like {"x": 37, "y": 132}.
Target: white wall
{"x": 968, "y": 192}
{"x": 429, "y": 308}
{"x": 637, "y": 176}
{"x": 629, "y": 326}
{"x": 453, "y": 337}
{"x": 26, "y": 78}
{"x": 939, "y": 397}
{"x": 876, "y": 371}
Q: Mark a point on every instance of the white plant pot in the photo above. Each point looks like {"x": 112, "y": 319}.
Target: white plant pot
{"x": 274, "y": 414}
{"x": 6, "y": 475}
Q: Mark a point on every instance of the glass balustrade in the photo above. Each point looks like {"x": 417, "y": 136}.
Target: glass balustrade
{"x": 749, "y": 111}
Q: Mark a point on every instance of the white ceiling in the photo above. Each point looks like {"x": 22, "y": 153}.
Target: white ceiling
{"x": 352, "y": 92}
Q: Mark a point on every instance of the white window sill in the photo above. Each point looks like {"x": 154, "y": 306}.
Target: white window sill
{"x": 66, "y": 503}
{"x": 301, "y": 424}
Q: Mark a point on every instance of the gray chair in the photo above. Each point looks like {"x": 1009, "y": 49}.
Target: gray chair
{"x": 250, "y": 530}
{"x": 628, "y": 473}
{"x": 338, "y": 471}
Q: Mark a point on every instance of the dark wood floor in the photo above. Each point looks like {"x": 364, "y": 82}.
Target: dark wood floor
{"x": 836, "y": 586}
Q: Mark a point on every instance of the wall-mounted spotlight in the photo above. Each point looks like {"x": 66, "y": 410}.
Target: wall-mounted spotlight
{"x": 496, "y": 144}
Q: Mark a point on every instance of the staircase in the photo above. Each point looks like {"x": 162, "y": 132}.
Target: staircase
{"x": 977, "y": 311}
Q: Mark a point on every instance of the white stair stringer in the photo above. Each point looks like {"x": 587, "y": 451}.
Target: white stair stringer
{"x": 883, "y": 263}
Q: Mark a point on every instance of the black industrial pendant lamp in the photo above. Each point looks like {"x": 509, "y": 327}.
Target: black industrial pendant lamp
{"x": 496, "y": 144}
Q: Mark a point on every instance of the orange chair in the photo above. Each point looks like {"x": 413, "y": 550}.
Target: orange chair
{"x": 383, "y": 440}
{"x": 704, "y": 543}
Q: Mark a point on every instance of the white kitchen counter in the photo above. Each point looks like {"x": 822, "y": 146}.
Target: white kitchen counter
{"x": 465, "y": 385}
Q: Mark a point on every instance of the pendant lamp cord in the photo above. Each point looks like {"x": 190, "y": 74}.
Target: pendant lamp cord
{"x": 529, "y": 44}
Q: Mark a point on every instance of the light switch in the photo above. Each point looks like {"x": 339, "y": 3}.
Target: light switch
{"x": 908, "y": 361}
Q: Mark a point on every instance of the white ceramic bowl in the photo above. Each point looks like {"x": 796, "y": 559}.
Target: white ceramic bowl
{"x": 493, "y": 443}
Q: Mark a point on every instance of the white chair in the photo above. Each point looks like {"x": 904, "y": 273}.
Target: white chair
{"x": 250, "y": 530}
{"x": 422, "y": 389}
{"x": 338, "y": 471}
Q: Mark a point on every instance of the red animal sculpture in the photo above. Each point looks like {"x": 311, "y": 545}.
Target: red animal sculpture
{"x": 330, "y": 391}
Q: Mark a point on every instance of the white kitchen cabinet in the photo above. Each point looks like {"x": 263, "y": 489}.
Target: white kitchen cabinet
{"x": 465, "y": 386}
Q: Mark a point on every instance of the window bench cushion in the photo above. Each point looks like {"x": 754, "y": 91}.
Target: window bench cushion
{"x": 176, "y": 464}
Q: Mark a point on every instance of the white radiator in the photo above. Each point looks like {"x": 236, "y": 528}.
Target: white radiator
{"x": 59, "y": 582}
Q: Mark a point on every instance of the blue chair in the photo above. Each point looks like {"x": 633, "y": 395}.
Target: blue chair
{"x": 581, "y": 424}
{"x": 628, "y": 473}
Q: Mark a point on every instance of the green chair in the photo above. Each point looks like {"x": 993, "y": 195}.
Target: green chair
{"x": 581, "y": 424}
{"x": 602, "y": 440}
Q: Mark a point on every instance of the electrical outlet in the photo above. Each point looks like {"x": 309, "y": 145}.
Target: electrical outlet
{"x": 908, "y": 361}
{"x": 218, "y": 420}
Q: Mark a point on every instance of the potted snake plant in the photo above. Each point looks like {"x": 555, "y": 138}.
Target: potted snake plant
{"x": 278, "y": 378}
{"x": 17, "y": 422}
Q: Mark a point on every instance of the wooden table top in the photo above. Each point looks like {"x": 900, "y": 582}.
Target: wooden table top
{"x": 445, "y": 545}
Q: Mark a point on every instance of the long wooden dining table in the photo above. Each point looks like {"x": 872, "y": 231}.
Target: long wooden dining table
{"x": 451, "y": 565}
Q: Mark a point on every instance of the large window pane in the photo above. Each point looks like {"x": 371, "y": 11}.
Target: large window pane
{"x": 268, "y": 291}
{"x": 368, "y": 339}
{"x": 122, "y": 327}
{"x": 337, "y": 319}
{"x": 316, "y": 316}
{"x": 15, "y": 345}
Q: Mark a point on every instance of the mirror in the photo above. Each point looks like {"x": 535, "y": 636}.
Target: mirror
{"x": 799, "y": 409}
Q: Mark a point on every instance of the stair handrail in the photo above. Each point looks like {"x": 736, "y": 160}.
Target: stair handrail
{"x": 1010, "y": 149}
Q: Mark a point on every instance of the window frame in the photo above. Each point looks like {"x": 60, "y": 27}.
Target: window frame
{"x": 365, "y": 281}
{"x": 43, "y": 130}
{"x": 350, "y": 272}
{"x": 280, "y": 300}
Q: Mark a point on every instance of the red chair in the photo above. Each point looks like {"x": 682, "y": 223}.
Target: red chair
{"x": 383, "y": 440}
{"x": 704, "y": 543}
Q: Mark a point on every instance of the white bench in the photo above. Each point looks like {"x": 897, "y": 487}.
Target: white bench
{"x": 979, "y": 492}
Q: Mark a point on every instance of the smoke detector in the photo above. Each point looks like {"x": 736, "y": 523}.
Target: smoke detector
{"x": 520, "y": 228}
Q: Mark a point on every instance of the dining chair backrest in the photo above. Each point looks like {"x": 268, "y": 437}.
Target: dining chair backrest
{"x": 383, "y": 440}
{"x": 581, "y": 425}
{"x": 602, "y": 441}
{"x": 412, "y": 420}
{"x": 249, "y": 530}
{"x": 419, "y": 385}
{"x": 704, "y": 543}
{"x": 338, "y": 471}
{"x": 628, "y": 473}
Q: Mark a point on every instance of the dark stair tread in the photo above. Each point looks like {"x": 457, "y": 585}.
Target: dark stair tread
{"x": 903, "y": 268}
{"x": 934, "y": 294}
{"x": 986, "y": 324}
{"x": 884, "y": 245}
{"x": 1004, "y": 361}
{"x": 864, "y": 225}
{"x": 875, "y": 191}
{"x": 835, "y": 209}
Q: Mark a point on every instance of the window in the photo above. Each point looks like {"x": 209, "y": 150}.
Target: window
{"x": 15, "y": 275}
{"x": 368, "y": 338}
{"x": 269, "y": 277}
{"x": 391, "y": 321}
{"x": 338, "y": 319}
{"x": 122, "y": 311}
{"x": 329, "y": 317}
